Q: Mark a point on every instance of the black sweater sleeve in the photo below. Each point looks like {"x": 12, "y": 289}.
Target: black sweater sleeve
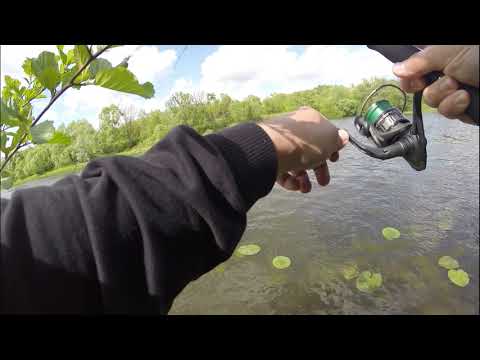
{"x": 128, "y": 234}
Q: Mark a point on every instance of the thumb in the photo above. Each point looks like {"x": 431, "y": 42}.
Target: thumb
{"x": 427, "y": 60}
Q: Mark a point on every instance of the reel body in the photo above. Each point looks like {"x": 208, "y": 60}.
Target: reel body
{"x": 392, "y": 134}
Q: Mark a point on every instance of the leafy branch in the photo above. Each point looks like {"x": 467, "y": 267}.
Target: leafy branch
{"x": 77, "y": 68}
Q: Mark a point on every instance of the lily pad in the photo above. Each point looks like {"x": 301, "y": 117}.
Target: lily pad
{"x": 250, "y": 249}
{"x": 458, "y": 277}
{"x": 448, "y": 263}
{"x": 281, "y": 262}
{"x": 390, "y": 233}
{"x": 350, "y": 272}
{"x": 368, "y": 281}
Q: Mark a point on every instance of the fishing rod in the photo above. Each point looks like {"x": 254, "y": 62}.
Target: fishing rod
{"x": 392, "y": 134}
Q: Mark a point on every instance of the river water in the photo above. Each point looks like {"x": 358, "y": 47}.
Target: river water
{"x": 436, "y": 212}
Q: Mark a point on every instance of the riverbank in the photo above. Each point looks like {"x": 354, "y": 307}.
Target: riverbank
{"x": 135, "y": 151}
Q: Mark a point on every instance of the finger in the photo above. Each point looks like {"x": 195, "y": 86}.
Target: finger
{"x": 439, "y": 90}
{"x": 322, "y": 174}
{"x": 334, "y": 157}
{"x": 342, "y": 139}
{"x": 455, "y": 104}
{"x": 427, "y": 60}
{"x": 412, "y": 85}
{"x": 304, "y": 181}
{"x": 288, "y": 182}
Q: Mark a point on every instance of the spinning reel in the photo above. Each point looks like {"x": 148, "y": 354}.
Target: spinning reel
{"x": 392, "y": 134}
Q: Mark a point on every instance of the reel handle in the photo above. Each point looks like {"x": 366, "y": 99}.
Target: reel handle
{"x": 398, "y": 53}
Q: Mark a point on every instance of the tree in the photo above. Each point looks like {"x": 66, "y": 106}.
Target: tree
{"x": 84, "y": 145}
{"x": 109, "y": 137}
{"x": 130, "y": 129}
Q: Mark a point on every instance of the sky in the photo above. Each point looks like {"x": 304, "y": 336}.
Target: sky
{"x": 236, "y": 70}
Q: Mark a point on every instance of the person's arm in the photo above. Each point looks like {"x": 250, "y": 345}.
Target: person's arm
{"x": 130, "y": 233}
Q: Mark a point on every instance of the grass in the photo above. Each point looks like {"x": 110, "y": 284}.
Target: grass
{"x": 74, "y": 168}
{"x": 69, "y": 169}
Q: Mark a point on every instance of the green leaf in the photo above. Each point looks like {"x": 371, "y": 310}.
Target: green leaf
{"x": 97, "y": 65}
{"x": 350, "y": 272}
{"x": 70, "y": 56}
{"x": 281, "y": 262}
{"x": 60, "y": 138}
{"x": 368, "y": 281}
{"x": 27, "y": 67}
{"x": 81, "y": 54}
{"x": 121, "y": 79}
{"x": 9, "y": 116}
{"x": 62, "y": 54}
{"x": 390, "y": 233}
{"x": 448, "y": 262}
{"x": 32, "y": 94}
{"x": 250, "y": 249}
{"x": 458, "y": 277}
{"x": 42, "y": 133}
{"x": 12, "y": 84}
{"x": 68, "y": 75}
{"x": 45, "y": 68}
{"x": 3, "y": 140}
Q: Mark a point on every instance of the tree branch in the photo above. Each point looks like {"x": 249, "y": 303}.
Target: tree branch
{"x": 33, "y": 98}
{"x": 52, "y": 100}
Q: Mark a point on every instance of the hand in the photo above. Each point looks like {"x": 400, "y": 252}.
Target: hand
{"x": 304, "y": 140}
{"x": 459, "y": 63}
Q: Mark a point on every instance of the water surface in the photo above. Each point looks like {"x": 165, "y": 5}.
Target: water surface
{"x": 436, "y": 211}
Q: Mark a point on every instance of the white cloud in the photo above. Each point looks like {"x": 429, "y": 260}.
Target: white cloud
{"x": 148, "y": 63}
{"x": 258, "y": 70}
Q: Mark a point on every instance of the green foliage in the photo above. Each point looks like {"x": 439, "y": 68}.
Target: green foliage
{"x": 42, "y": 132}
{"x": 121, "y": 79}
{"x": 98, "y": 65}
{"x": 109, "y": 137}
{"x": 38, "y": 161}
{"x": 84, "y": 145}
{"x": 123, "y": 130}
{"x": 56, "y": 73}
{"x": 60, "y": 137}
{"x": 45, "y": 68}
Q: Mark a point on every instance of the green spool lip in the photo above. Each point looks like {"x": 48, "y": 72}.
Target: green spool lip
{"x": 376, "y": 110}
